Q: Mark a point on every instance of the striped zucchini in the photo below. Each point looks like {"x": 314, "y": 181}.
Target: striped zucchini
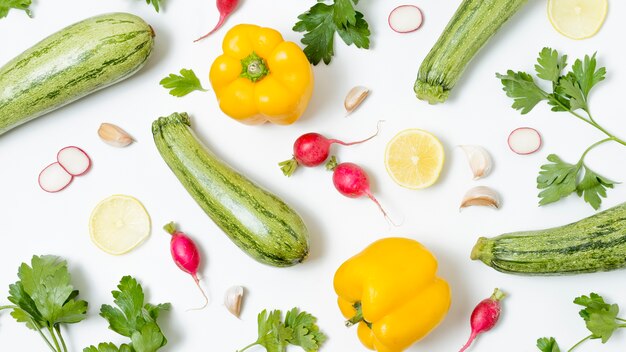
{"x": 597, "y": 243}
{"x": 257, "y": 221}
{"x": 70, "y": 64}
{"x": 473, "y": 24}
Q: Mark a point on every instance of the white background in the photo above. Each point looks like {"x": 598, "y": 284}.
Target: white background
{"x": 35, "y": 222}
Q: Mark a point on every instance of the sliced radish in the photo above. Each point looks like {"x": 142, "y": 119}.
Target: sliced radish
{"x": 74, "y": 160}
{"x": 54, "y": 178}
{"x": 524, "y": 140}
{"x": 405, "y": 19}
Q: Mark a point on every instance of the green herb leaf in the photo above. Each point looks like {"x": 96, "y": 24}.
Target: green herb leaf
{"x": 182, "y": 85}
{"x": 593, "y": 188}
{"x": 600, "y": 317}
{"x": 7, "y": 5}
{"x": 550, "y": 65}
{"x": 548, "y": 345}
{"x": 108, "y": 347}
{"x": 344, "y": 13}
{"x": 149, "y": 338}
{"x": 570, "y": 88}
{"x": 306, "y": 333}
{"x": 155, "y": 3}
{"x": 586, "y": 74}
{"x": 522, "y": 88}
{"x": 357, "y": 33}
{"x": 557, "y": 180}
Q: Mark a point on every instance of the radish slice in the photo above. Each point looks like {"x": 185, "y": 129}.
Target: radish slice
{"x": 524, "y": 140}
{"x": 54, "y": 178}
{"x": 406, "y": 19}
{"x": 74, "y": 160}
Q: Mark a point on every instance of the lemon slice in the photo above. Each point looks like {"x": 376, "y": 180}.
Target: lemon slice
{"x": 414, "y": 159}
{"x": 577, "y": 19}
{"x": 118, "y": 224}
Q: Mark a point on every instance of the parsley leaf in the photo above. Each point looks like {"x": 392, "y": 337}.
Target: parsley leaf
{"x": 600, "y": 317}
{"x": 586, "y": 74}
{"x": 7, "y": 5}
{"x": 182, "y": 85}
{"x": 522, "y": 88}
{"x": 306, "y": 333}
{"x": 592, "y": 187}
{"x": 155, "y": 3}
{"x": 550, "y": 65}
{"x": 548, "y": 345}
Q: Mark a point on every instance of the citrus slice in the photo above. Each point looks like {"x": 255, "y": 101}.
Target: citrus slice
{"x": 577, "y": 19}
{"x": 118, "y": 224}
{"x": 414, "y": 159}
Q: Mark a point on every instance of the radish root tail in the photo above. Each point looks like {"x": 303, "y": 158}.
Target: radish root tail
{"x": 387, "y": 217}
{"x": 469, "y": 342}
{"x": 361, "y": 141}
{"x": 206, "y": 298}
{"x": 219, "y": 24}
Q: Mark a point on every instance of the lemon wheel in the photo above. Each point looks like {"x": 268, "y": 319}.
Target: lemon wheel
{"x": 577, "y": 19}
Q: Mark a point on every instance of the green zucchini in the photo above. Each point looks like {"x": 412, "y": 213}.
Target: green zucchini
{"x": 597, "y": 243}
{"x": 76, "y": 61}
{"x": 257, "y": 221}
{"x": 473, "y": 24}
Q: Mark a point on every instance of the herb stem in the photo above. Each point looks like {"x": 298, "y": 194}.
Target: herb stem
{"x": 620, "y": 319}
{"x": 247, "y": 347}
{"x": 58, "y": 330}
{"x": 42, "y": 335}
{"x": 579, "y": 343}
{"x": 54, "y": 339}
{"x": 8, "y": 307}
{"x": 582, "y": 158}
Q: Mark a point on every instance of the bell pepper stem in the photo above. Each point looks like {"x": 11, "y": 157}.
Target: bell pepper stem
{"x": 358, "y": 317}
{"x": 254, "y": 67}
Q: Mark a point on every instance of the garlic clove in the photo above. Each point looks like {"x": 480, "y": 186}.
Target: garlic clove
{"x": 114, "y": 135}
{"x": 481, "y": 196}
{"x": 479, "y": 160}
{"x": 355, "y": 97}
{"x": 233, "y": 299}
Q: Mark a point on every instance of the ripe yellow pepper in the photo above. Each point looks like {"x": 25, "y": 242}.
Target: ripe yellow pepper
{"x": 260, "y": 77}
{"x": 392, "y": 291}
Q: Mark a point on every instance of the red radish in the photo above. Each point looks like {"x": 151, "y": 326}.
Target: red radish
{"x": 186, "y": 256}
{"x": 405, "y": 19}
{"x": 74, "y": 160}
{"x": 524, "y": 140}
{"x": 485, "y": 316}
{"x": 54, "y": 178}
{"x": 225, "y": 8}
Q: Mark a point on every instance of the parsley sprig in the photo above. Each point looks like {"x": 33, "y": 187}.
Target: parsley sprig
{"x": 183, "y": 84}
{"x": 322, "y": 21}
{"x": 7, "y": 5}
{"x": 155, "y": 3}
{"x": 600, "y": 318}
{"x": 570, "y": 93}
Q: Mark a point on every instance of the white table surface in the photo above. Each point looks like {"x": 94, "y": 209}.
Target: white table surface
{"x": 35, "y": 222}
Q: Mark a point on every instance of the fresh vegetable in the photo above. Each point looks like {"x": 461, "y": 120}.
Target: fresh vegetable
{"x": 570, "y": 93}
{"x": 182, "y": 85}
{"x": 322, "y": 21}
{"x": 44, "y": 299}
{"x": 470, "y": 28}
{"x": 414, "y": 159}
{"x": 225, "y": 8}
{"x": 74, "y": 160}
{"x": 53, "y": 178}
{"x": 155, "y": 3}
{"x": 260, "y": 223}
{"x": 298, "y": 329}
{"x": 577, "y": 19}
{"x": 485, "y": 316}
{"x": 354, "y": 98}
{"x": 312, "y": 149}
{"x": 601, "y": 320}
{"x": 479, "y": 159}
{"x": 233, "y": 299}
{"x": 524, "y": 140}
{"x": 597, "y": 243}
{"x": 114, "y": 135}
{"x": 405, "y": 19}
{"x": 70, "y": 64}
{"x": 118, "y": 224}
{"x": 133, "y": 319}
{"x": 261, "y": 77}
{"x": 186, "y": 255}
{"x": 481, "y": 196}
{"x": 7, "y": 5}
{"x": 392, "y": 291}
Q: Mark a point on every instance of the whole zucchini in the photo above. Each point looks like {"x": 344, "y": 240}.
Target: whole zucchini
{"x": 473, "y": 24}
{"x": 66, "y": 66}
{"x": 260, "y": 223}
{"x": 597, "y": 243}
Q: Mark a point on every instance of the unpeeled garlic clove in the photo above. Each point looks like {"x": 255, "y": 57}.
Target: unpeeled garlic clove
{"x": 232, "y": 300}
{"x": 355, "y": 97}
{"x": 481, "y": 196}
{"x": 114, "y": 135}
{"x": 479, "y": 160}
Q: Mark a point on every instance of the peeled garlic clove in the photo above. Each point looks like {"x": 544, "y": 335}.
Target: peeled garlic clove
{"x": 479, "y": 160}
{"x": 355, "y": 97}
{"x": 481, "y": 196}
{"x": 114, "y": 135}
{"x": 232, "y": 300}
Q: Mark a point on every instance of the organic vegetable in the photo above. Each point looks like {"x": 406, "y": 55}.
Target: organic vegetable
{"x": 322, "y": 21}
{"x": 113, "y": 135}
{"x": 601, "y": 320}
{"x": 70, "y": 64}
{"x": 182, "y": 85}
{"x": 225, "y": 8}
{"x": 312, "y": 149}
{"x": 405, "y": 19}
{"x": 485, "y": 316}
{"x": 414, "y": 159}
{"x": 257, "y": 221}
{"x": 577, "y": 19}
{"x": 473, "y": 24}
{"x": 7, "y": 5}
{"x": 570, "y": 93}
{"x": 355, "y": 97}
{"x": 260, "y": 77}
{"x": 524, "y": 140}
{"x": 597, "y": 243}
{"x": 298, "y": 329}
{"x": 481, "y": 196}
{"x": 155, "y": 3}
{"x": 391, "y": 290}
{"x": 233, "y": 299}
{"x": 186, "y": 255}
{"x": 44, "y": 299}
{"x": 479, "y": 160}
{"x": 54, "y": 178}
{"x": 74, "y": 160}
{"x": 133, "y": 319}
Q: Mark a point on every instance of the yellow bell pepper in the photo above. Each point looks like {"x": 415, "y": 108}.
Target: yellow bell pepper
{"x": 261, "y": 77}
{"x": 391, "y": 290}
